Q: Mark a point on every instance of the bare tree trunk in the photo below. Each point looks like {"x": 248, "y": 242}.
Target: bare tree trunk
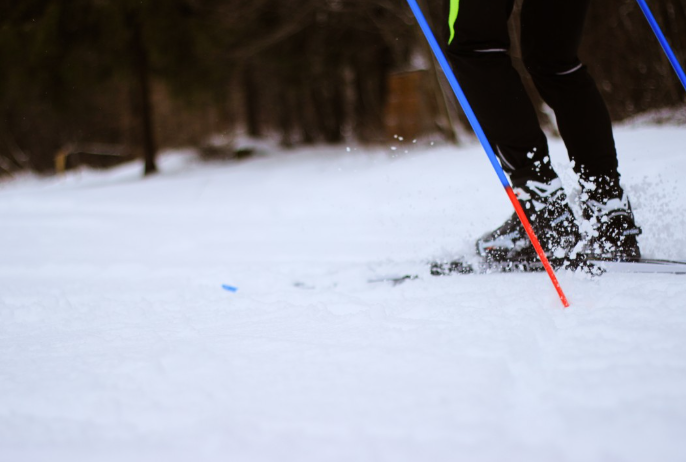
{"x": 329, "y": 106}
{"x": 143, "y": 94}
{"x": 303, "y": 114}
{"x": 251, "y": 96}
{"x": 337, "y": 101}
{"x": 286, "y": 109}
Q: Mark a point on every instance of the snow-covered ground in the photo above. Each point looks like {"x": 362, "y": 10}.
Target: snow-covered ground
{"x": 118, "y": 342}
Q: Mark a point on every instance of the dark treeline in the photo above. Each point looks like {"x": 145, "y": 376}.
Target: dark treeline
{"x": 139, "y": 75}
{"x": 624, "y": 55}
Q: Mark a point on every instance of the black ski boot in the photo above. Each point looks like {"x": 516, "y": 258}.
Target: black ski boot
{"x": 545, "y": 204}
{"x": 610, "y": 232}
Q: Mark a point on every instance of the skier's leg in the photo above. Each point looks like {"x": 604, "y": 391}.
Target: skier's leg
{"x": 478, "y": 51}
{"x": 551, "y": 33}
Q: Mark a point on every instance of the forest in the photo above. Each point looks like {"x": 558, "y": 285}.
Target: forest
{"x": 127, "y": 78}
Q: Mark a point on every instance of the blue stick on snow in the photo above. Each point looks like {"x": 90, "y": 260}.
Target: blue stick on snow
{"x": 663, "y": 41}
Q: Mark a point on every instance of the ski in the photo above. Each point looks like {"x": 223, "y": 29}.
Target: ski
{"x": 475, "y": 266}
{"x": 589, "y": 265}
{"x": 644, "y": 265}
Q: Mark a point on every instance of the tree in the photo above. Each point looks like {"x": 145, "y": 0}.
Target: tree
{"x": 306, "y": 70}
{"x": 61, "y": 54}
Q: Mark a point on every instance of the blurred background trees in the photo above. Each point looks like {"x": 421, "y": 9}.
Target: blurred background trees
{"x": 130, "y": 77}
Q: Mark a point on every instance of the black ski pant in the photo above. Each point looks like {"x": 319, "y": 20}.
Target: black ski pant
{"x": 550, "y": 35}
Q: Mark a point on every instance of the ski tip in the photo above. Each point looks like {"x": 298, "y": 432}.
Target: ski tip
{"x": 229, "y": 288}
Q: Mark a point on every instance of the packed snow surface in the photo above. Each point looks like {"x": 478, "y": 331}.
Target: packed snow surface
{"x": 118, "y": 341}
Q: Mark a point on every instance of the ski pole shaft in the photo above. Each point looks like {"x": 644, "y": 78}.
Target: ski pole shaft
{"x": 466, "y": 107}
{"x": 663, "y": 41}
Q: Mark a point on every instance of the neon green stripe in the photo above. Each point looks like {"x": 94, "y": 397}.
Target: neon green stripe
{"x": 452, "y": 18}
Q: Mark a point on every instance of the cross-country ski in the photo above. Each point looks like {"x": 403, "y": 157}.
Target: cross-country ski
{"x": 590, "y": 266}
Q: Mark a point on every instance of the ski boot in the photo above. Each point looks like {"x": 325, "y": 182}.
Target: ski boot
{"x": 545, "y": 205}
{"x": 610, "y": 232}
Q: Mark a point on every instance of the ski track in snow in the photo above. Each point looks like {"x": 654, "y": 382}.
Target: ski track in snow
{"x": 117, "y": 341}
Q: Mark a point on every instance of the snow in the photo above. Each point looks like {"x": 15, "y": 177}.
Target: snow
{"x": 118, "y": 342}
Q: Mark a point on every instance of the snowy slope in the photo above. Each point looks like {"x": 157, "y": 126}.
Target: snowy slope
{"x": 117, "y": 341}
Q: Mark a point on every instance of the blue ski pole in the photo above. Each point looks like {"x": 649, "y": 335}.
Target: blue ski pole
{"x": 466, "y": 107}
{"x": 663, "y": 41}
